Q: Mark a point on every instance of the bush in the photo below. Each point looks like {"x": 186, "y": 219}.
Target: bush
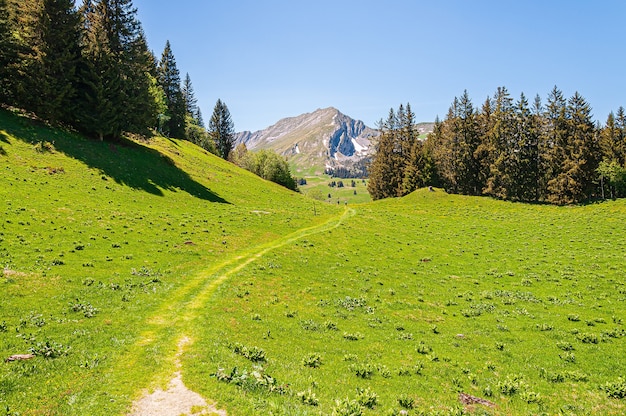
{"x": 615, "y": 389}
{"x": 254, "y": 354}
{"x": 366, "y": 397}
{"x": 363, "y": 370}
{"x": 86, "y": 308}
{"x": 308, "y": 398}
{"x": 49, "y": 349}
{"x": 406, "y": 401}
{"x": 347, "y": 407}
{"x": 312, "y": 360}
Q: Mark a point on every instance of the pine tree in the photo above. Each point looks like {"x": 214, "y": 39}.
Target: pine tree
{"x": 502, "y": 147}
{"x": 465, "y": 142}
{"x": 191, "y": 103}
{"x": 25, "y": 20}
{"x": 53, "y": 76}
{"x": 620, "y": 146}
{"x": 578, "y": 151}
{"x": 169, "y": 79}
{"x": 8, "y": 54}
{"x": 553, "y": 142}
{"x": 198, "y": 117}
{"x": 222, "y": 129}
{"x": 384, "y": 181}
{"x": 115, "y": 74}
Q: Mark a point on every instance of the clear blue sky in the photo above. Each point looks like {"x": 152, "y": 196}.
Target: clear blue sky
{"x": 278, "y": 58}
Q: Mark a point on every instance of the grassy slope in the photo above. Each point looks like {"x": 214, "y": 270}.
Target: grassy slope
{"x": 477, "y": 291}
{"x": 126, "y": 229}
{"x": 520, "y": 304}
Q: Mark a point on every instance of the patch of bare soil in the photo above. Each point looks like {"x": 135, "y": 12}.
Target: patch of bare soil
{"x": 177, "y": 400}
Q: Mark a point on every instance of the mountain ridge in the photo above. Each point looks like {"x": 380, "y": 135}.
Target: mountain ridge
{"x": 321, "y": 140}
{"x": 324, "y": 140}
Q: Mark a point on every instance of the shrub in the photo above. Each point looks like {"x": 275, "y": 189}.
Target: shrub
{"x": 531, "y": 397}
{"x": 256, "y": 379}
{"x": 86, "y": 308}
{"x": 254, "y": 354}
{"x": 363, "y": 370}
{"x": 330, "y": 326}
{"x": 615, "y": 389}
{"x": 347, "y": 407}
{"x": 49, "y": 349}
{"x": 512, "y": 385}
{"x": 353, "y": 337}
{"x": 565, "y": 346}
{"x": 587, "y": 338}
{"x": 406, "y": 401}
{"x": 309, "y": 325}
{"x": 350, "y": 303}
{"x": 308, "y": 398}
{"x": 366, "y": 397}
{"x": 312, "y": 360}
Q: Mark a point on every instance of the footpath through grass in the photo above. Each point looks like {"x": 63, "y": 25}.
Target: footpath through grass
{"x": 101, "y": 245}
{"x": 413, "y": 301}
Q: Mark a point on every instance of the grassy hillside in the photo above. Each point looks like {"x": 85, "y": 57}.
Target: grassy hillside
{"x": 95, "y": 238}
{"x": 410, "y": 302}
{"x": 111, "y": 254}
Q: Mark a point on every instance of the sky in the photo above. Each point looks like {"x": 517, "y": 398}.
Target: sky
{"x": 270, "y": 59}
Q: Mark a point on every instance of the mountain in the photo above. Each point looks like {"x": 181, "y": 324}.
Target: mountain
{"x": 317, "y": 141}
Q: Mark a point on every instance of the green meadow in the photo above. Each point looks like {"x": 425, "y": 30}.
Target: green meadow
{"x": 318, "y": 187}
{"x": 110, "y": 254}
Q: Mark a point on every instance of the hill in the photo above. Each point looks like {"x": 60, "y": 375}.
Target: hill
{"x": 95, "y": 239}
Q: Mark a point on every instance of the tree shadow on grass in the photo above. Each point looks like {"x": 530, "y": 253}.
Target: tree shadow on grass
{"x": 127, "y": 162}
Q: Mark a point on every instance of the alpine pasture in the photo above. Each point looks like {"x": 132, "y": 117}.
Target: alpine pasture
{"x": 111, "y": 253}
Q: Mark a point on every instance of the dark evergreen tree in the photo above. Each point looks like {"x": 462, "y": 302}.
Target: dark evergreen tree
{"x": 464, "y": 140}
{"x": 553, "y": 142}
{"x": 53, "y": 74}
{"x": 222, "y": 130}
{"x": 386, "y": 169}
{"x": 24, "y": 17}
{"x": 115, "y": 74}
{"x": 610, "y": 140}
{"x": 526, "y": 173}
{"x": 620, "y": 145}
{"x": 384, "y": 180}
{"x": 191, "y": 103}
{"x": 169, "y": 79}
{"x": 198, "y": 117}
{"x": 502, "y": 148}
{"x": 8, "y": 54}
{"x": 578, "y": 150}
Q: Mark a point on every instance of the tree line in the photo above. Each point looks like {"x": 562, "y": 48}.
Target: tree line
{"x": 509, "y": 149}
{"x": 90, "y": 68}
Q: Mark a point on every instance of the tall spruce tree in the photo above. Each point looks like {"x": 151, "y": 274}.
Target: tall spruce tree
{"x": 502, "y": 147}
{"x": 169, "y": 79}
{"x": 578, "y": 152}
{"x": 189, "y": 97}
{"x": 53, "y": 74}
{"x": 8, "y": 54}
{"x": 553, "y": 143}
{"x": 465, "y": 142}
{"x": 222, "y": 130}
{"x": 115, "y": 72}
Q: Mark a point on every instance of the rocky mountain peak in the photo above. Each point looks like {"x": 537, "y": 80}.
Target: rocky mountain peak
{"x": 325, "y": 138}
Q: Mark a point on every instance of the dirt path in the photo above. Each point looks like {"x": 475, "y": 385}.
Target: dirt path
{"x": 177, "y": 399}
